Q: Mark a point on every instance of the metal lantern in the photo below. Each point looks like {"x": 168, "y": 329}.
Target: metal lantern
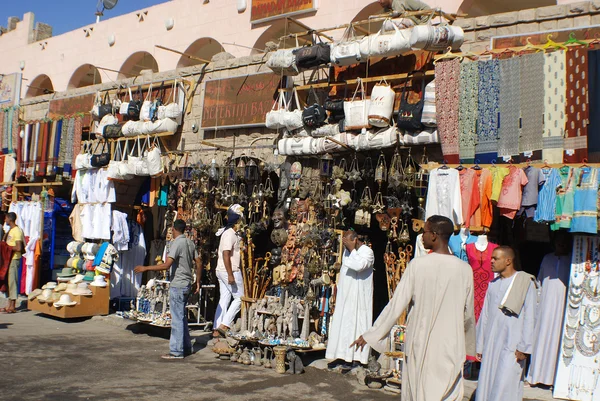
{"x": 251, "y": 171}
{"x": 241, "y": 168}
{"x": 230, "y": 171}
{"x": 326, "y": 165}
{"x": 409, "y": 172}
{"x": 421, "y": 182}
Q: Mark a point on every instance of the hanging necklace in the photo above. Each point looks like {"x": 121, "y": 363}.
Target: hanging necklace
{"x": 587, "y": 341}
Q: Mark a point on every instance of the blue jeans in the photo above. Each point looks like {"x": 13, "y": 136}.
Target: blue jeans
{"x": 180, "y": 341}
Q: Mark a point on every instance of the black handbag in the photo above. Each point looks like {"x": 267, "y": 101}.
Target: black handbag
{"x": 135, "y": 106}
{"x": 335, "y": 107}
{"x": 112, "y": 131}
{"x": 314, "y": 116}
{"x": 313, "y": 56}
{"x": 101, "y": 159}
{"x": 105, "y": 108}
{"x": 409, "y": 115}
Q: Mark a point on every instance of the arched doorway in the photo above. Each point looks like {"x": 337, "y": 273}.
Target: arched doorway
{"x": 41, "y": 85}
{"x": 85, "y": 75}
{"x": 203, "y": 48}
{"x": 364, "y": 14}
{"x": 274, "y": 34}
{"x": 136, "y": 63}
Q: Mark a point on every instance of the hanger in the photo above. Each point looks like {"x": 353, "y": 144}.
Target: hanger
{"x": 506, "y": 52}
{"x": 460, "y": 166}
{"x": 550, "y": 43}
{"x": 487, "y": 52}
{"x": 574, "y": 41}
{"x": 595, "y": 41}
{"x": 448, "y": 55}
{"x": 476, "y": 166}
{"x": 444, "y": 165}
{"x": 584, "y": 161}
{"x": 531, "y": 46}
{"x": 471, "y": 55}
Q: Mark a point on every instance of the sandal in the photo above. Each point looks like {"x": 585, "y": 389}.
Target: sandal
{"x": 171, "y": 356}
{"x": 3, "y": 310}
{"x": 10, "y": 311}
{"x": 222, "y": 332}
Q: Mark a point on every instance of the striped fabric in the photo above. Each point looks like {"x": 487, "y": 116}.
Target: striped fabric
{"x": 429, "y": 118}
{"x": 15, "y": 130}
{"x": 57, "y": 144}
{"x": 63, "y": 143}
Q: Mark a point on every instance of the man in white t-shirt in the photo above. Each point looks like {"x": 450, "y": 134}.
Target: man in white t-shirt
{"x": 231, "y": 284}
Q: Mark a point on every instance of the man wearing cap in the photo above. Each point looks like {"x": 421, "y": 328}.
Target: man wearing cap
{"x": 182, "y": 256}
{"x": 15, "y": 239}
{"x": 231, "y": 284}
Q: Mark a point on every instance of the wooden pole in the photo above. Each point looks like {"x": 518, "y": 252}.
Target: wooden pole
{"x": 183, "y": 54}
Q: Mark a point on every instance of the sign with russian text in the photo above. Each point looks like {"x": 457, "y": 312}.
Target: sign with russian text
{"x": 239, "y": 101}
{"x": 267, "y": 10}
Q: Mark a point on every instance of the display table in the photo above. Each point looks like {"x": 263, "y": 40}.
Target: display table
{"x": 96, "y": 304}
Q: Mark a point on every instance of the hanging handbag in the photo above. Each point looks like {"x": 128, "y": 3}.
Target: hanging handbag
{"x": 377, "y": 139}
{"x": 382, "y": 104}
{"x": 101, "y": 159}
{"x": 356, "y": 112}
{"x": 315, "y": 115}
{"x": 158, "y": 126}
{"x": 409, "y": 116}
{"x": 386, "y": 44}
{"x": 123, "y": 110}
{"x": 137, "y": 165}
{"x": 108, "y": 119}
{"x": 173, "y": 110}
{"x": 134, "y": 107}
{"x": 274, "y": 118}
{"x": 335, "y": 107}
{"x": 435, "y": 38}
{"x": 347, "y": 50}
{"x": 101, "y": 108}
{"x": 429, "y": 118}
{"x": 313, "y": 56}
{"x": 82, "y": 161}
{"x": 283, "y": 62}
{"x": 146, "y": 106}
{"x": 112, "y": 131}
{"x": 115, "y": 169}
{"x": 155, "y": 165}
{"x": 292, "y": 119}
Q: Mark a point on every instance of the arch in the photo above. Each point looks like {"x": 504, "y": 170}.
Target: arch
{"x": 136, "y": 63}
{"x": 275, "y": 32}
{"x": 40, "y": 85}
{"x": 85, "y": 75}
{"x": 203, "y": 48}
{"x": 364, "y": 14}
{"x": 477, "y": 8}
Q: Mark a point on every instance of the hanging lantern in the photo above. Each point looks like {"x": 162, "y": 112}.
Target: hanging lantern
{"x": 409, "y": 172}
{"x": 421, "y": 183}
{"x": 252, "y": 173}
{"x": 326, "y": 165}
{"x": 241, "y": 168}
{"x": 231, "y": 173}
{"x": 213, "y": 171}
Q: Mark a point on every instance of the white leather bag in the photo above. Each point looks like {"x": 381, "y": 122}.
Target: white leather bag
{"x": 83, "y": 160}
{"x": 171, "y": 110}
{"x": 146, "y": 105}
{"x": 429, "y": 117}
{"x": 435, "y": 38}
{"x": 125, "y": 105}
{"x": 132, "y": 128}
{"x": 377, "y": 139}
{"x": 386, "y": 44}
{"x": 274, "y": 118}
{"x": 241, "y": 6}
{"x": 292, "y": 119}
{"x": 95, "y": 112}
{"x": 115, "y": 171}
{"x": 155, "y": 164}
{"x": 347, "y": 50}
{"x": 283, "y": 62}
{"x": 158, "y": 126}
{"x": 356, "y": 111}
{"x": 108, "y": 119}
{"x": 138, "y": 165}
{"x": 382, "y": 105}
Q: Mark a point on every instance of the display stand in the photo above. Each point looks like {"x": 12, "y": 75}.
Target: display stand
{"x": 87, "y": 306}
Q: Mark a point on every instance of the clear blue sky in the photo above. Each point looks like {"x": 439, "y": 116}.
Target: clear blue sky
{"x": 67, "y": 15}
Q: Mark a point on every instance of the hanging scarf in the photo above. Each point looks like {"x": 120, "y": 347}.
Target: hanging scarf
{"x": 57, "y": 145}
{"x": 486, "y": 148}
{"x": 2, "y": 118}
{"x": 70, "y": 152}
{"x": 532, "y": 102}
{"x": 43, "y": 150}
{"x": 63, "y": 143}
{"x": 5, "y": 122}
{"x": 14, "y": 139}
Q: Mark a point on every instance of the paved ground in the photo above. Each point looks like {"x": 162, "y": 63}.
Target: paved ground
{"x": 110, "y": 359}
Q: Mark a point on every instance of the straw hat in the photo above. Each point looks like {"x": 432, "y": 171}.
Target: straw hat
{"x": 82, "y": 289}
{"x": 67, "y": 272}
{"x": 78, "y": 279}
{"x": 99, "y": 281}
{"x": 50, "y": 285}
{"x": 60, "y": 287}
{"x": 89, "y": 276}
{"x": 34, "y": 294}
{"x": 55, "y": 297}
{"x": 45, "y": 295}
{"x": 65, "y": 300}
{"x": 70, "y": 288}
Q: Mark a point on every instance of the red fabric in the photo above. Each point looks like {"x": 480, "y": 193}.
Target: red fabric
{"x": 5, "y": 258}
{"x": 481, "y": 263}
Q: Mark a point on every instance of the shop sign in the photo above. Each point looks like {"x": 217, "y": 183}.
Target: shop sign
{"x": 267, "y": 10}
{"x": 10, "y": 89}
{"x": 70, "y": 106}
{"x": 239, "y": 101}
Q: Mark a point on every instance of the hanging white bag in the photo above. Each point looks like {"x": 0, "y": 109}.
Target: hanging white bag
{"x": 146, "y": 105}
{"x": 292, "y": 119}
{"x": 125, "y": 105}
{"x": 84, "y": 159}
{"x": 108, "y": 119}
{"x": 95, "y": 112}
{"x": 155, "y": 165}
{"x": 138, "y": 165}
{"x": 283, "y": 62}
{"x": 356, "y": 112}
{"x": 377, "y": 139}
{"x": 241, "y": 5}
{"x": 382, "y": 104}
{"x": 347, "y": 50}
{"x": 386, "y": 44}
{"x": 173, "y": 109}
{"x": 114, "y": 166}
{"x": 429, "y": 117}
{"x": 274, "y": 118}
{"x": 436, "y": 38}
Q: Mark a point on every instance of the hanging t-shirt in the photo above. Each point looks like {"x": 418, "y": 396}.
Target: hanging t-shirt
{"x": 512, "y": 189}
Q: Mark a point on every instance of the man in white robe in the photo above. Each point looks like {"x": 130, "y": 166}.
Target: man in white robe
{"x": 440, "y": 328}
{"x": 504, "y": 339}
{"x": 554, "y": 278}
{"x": 353, "y": 313}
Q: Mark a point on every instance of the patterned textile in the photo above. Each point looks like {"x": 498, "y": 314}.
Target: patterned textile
{"x": 447, "y": 75}
{"x": 467, "y": 110}
{"x": 2, "y": 117}
{"x": 9, "y": 130}
{"x": 57, "y": 145}
{"x": 577, "y": 106}
{"x": 565, "y": 198}
{"x": 5, "y": 131}
{"x": 487, "y": 112}
{"x": 510, "y": 107}
{"x": 546, "y": 205}
{"x": 532, "y": 114}
{"x": 15, "y": 130}
{"x": 70, "y": 152}
{"x": 555, "y": 93}
{"x": 77, "y": 132}
{"x": 585, "y": 209}
{"x": 63, "y": 143}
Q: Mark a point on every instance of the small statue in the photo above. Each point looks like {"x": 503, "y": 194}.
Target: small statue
{"x": 373, "y": 365}
{"x": 296, "y": 366}
{"x": 279, "y": 326}
{"x": 257, "y": 356}
{"x": 275, "y": 257}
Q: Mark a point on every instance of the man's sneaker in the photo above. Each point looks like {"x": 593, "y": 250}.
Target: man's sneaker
{"x": 171, "y": 356}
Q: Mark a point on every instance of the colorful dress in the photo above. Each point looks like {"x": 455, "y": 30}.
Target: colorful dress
{"x": 585, "y": 203}
{"x": 469, "y": 192}
{"x": 483, "y": 216}
{"x": 481, "y": 263}
{"x": 565, "y": 196}
{"x": 458, "y": 245}
{"x": 546, "y": 205}
{"x": 512, "y": 191}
